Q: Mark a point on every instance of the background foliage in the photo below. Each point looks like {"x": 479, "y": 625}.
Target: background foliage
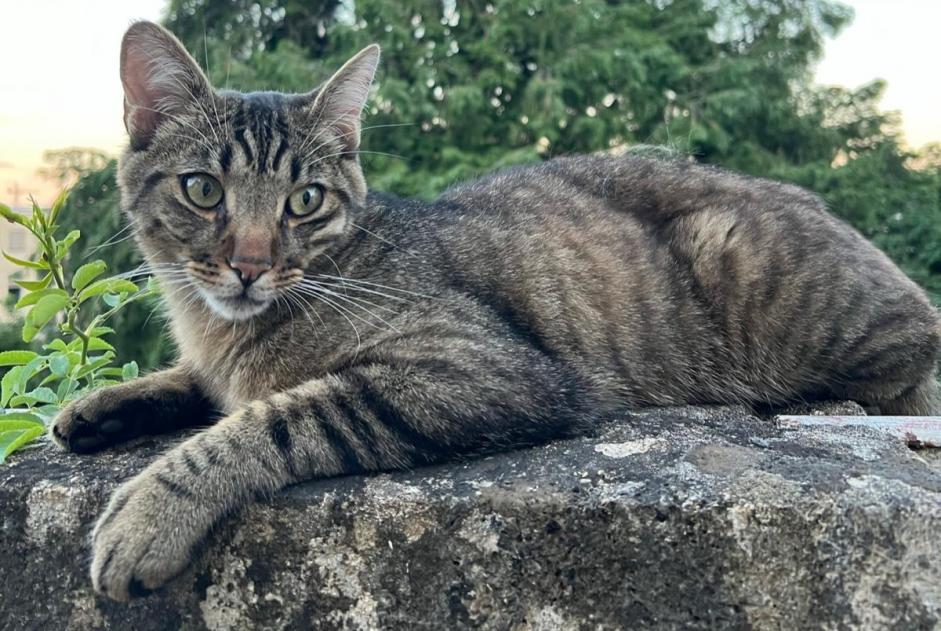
{"x": 466, "y": 87}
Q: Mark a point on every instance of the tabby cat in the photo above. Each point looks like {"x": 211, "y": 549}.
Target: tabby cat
{"x": 326, "y": 330}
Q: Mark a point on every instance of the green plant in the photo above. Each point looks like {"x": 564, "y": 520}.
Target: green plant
{"x": 70, "y": 319}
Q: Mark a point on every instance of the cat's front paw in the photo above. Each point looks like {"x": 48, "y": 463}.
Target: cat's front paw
{"x": 102, "y": 418}
{"x": 146, "y": 536}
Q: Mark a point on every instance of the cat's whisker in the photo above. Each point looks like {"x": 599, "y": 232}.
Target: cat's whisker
{"x": 351, "y": 312}
{"x": 384, "y": 240}
{"x": 340, "y": 310}
{"x": 358, "y": 302}
{"x": 351, "y": 287}
{"x": 334, "y": 263}
{"x": 112, "y": 241}
{"x": 356, "y": 152}
{"x": 352, "y": 132}
{"x": 301, "y": 299}
{"x": 305, "y": 144}
{"x": 291, "y": 298}
{"x": 373, "y": 284}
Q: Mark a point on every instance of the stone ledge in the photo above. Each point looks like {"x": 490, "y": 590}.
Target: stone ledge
{"x": 674, "y": 518}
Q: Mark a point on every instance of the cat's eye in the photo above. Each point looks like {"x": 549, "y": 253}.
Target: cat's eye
{"x": 305, "y": 201}
{"x": 202, "y": 190}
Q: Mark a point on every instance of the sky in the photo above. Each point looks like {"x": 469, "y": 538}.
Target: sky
{"x": 59, "y": 83}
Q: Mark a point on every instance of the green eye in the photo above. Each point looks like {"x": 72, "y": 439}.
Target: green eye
{"x": 203, "y": 191}
{"x": 305, "y": 201}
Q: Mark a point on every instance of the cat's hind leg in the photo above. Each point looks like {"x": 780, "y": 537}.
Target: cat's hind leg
{"x": 922, "y": 399}
{"x": 896, "y": 373}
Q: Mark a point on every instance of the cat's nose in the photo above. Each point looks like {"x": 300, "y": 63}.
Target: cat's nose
{"x": 249, "y": 269}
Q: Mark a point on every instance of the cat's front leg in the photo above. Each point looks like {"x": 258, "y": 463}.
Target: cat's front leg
{"x": 156, "y": 403}
{"x": 153, "y": 523}
{"x": 391, "y": 411}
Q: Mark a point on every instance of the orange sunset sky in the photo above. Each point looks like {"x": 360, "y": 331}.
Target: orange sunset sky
{"x": 59, "y": 83}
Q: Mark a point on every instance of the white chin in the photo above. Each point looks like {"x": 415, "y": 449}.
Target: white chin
{"x": 235, "y": 308}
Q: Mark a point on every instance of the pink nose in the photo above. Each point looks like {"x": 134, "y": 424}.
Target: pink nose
{"x": 249, "y": 269}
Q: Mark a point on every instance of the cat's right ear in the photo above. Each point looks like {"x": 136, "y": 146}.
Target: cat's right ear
{"x": 160, "y": 80}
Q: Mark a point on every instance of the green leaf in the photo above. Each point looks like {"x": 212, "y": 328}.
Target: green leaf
{"x": 25, "y": 263}
{"x": 94, "y": 365}
{"x": 36, "y": 296}
{"x": 112, "y": 300}
{"x": 30, "y": 370}
{"x": 34, "y": 285}
{"x": 106, "y": 285}
{"x": 46, "y": 309}
{"x": 62, "y": 249}
{"x": 25, "y": 419}
{"x": 98, "y": 344}
{"x": 16, "y": 358}
{"x": 66, "y": 387}
{"x": 23, "y": 399}
{"x": 57, "y": 208}
{"x": 29, "y": 332}
{"x": 10, "y": 379}
{"x": 39, "y": 217}
{"x": 55, "y": 345}
{"x": 44, "y": 395}
{"x": 129, "y": 371}
{"x": 72, "y": 237}
{"x": 13, "y": 440}
{"x": 60, "y": 365}
{"x": 46, "y": 412}
{"x": 87, "y": 273}
{"x": 13, "y": 217}
{"x": 98, "y": 331}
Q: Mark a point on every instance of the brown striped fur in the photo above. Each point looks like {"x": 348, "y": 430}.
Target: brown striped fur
{"x": 390, "y": 333}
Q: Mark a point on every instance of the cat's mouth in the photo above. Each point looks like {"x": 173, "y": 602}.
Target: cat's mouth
{"x": 237, "y": 307}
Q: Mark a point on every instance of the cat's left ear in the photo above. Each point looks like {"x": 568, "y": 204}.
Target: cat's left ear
{"x": 339, "y": 102}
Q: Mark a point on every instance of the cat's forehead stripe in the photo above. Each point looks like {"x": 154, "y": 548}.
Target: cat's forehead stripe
{"x": 225, "y": 157}
{"x": 258, "y": 121}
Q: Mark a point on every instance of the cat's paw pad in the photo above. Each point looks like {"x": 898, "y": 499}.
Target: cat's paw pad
{"x": 90, "y": 424}
{"x": 145, "y": 537}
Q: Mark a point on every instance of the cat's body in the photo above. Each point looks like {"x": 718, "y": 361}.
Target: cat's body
{"x": 655, "y": 282}
{"x": 372, "y": 333}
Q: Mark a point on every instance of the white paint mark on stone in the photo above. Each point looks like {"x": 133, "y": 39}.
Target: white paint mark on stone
{"x": 630, "y": 448}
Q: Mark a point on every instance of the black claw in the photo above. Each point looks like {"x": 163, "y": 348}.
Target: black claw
{"x": 136, "y": 589}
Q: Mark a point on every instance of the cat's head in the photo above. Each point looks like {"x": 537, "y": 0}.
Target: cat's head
{"x": 233, "y": 195}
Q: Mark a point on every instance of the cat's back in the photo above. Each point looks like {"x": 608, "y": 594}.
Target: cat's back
{"x": 721, "y": 282}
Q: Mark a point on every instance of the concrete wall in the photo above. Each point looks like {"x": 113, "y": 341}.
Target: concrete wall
{"x": 690, "y": 518}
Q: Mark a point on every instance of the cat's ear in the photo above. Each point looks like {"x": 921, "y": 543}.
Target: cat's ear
{"x": 339, "y": 102}
{"x": 160, "y": 79}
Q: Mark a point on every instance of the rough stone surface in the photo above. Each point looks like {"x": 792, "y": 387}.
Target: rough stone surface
{"x": 674, "y": 518}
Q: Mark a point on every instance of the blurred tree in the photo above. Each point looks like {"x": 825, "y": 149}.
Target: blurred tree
{"x": 66, "y": 166}
{"x": 466, "y": 87}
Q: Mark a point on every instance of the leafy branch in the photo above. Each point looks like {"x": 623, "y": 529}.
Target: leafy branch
{"x": 71, "y": 319}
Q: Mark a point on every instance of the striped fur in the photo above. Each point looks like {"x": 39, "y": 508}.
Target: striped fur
{"x": 519, "y": 308}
